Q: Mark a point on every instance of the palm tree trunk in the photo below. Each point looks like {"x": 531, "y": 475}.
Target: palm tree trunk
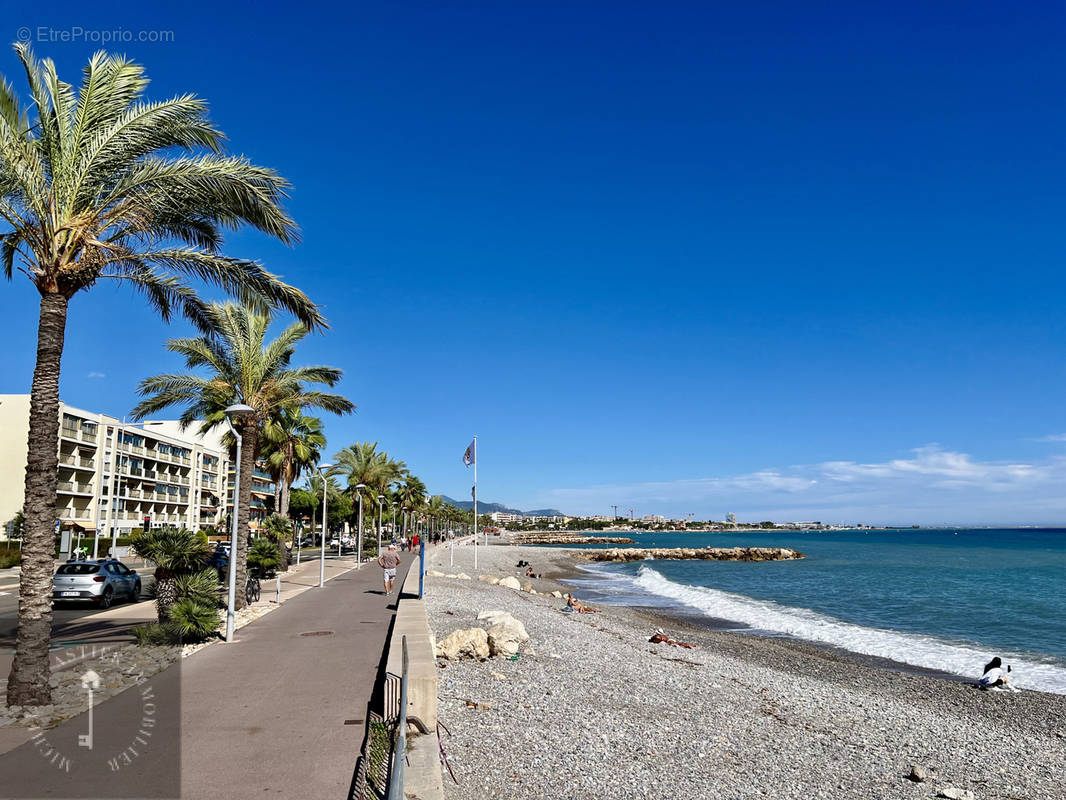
{"x": 249, "y": 445}
{"x": 28, "y": 681}
{"x": 286, "y": 494}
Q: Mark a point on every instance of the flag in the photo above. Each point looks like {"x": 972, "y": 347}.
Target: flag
{"x": 470, "y": 456}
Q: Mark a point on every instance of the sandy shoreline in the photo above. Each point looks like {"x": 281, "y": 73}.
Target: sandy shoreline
{"x": 591, "y": 709}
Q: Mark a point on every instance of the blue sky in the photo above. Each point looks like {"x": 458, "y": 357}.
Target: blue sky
{"x": 684, "y": 259}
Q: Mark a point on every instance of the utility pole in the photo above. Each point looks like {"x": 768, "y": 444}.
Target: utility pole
{"x": 615, "y": 507}
{"x": 630, "y": 515}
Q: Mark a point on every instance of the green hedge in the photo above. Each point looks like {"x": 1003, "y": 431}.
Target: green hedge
{"x": 10, "y": 556}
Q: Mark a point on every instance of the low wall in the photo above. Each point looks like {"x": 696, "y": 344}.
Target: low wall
{"x": 423, "y": 775}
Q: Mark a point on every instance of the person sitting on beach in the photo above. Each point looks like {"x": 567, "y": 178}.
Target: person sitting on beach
{"x": 529, "y": 572}
{"x": 580, "y": 608}
{"x": 994, "y": 675}
{"x": 522, "y": 563}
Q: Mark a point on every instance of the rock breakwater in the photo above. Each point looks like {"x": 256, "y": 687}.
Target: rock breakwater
{"x": 694, "y": 553}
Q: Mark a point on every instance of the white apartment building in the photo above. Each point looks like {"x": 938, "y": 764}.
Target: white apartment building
{"x": 500, "y": 518}
{"x": 114, "y": 475}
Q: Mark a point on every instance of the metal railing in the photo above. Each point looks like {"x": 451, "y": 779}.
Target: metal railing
{"x": 399, "y": 750}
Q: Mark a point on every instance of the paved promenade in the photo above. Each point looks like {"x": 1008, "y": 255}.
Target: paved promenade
{"x": 264, "y": 716}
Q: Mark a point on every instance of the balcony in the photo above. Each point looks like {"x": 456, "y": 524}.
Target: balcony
{"x": 137, "y": 472}
{"x": 134, "y": 493}
{"x": 80, "y": 463}
{"x": 74, "y": 488}
{"x": 73, "y": 513}
{"x": 134, "y": 448}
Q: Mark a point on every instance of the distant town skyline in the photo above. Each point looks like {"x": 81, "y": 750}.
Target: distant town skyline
{"x": 709, "y": 259}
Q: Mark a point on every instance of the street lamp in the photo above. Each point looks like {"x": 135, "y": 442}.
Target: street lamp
{"x": 394, "y": 504}
{"x": 239, "y": 412}
{"x": 381, "y": 500}
{"x": 359, "y": 534}
{"x": 322, "y": 553}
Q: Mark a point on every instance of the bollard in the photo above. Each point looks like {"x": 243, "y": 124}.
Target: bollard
{"x": 277, "y": 588}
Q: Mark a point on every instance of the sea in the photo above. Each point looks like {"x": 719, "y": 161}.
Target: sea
{"x": 943, "y": 599}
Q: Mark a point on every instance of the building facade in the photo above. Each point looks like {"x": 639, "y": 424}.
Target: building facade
{"x": 115, "y": 476}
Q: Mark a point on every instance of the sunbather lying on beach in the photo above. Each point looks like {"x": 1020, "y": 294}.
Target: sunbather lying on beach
{"x": 580, "y": 608}
{"x": 662, "y": 638}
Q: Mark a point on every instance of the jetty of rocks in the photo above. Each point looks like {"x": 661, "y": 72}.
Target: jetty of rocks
{"x": 682, "y": 553}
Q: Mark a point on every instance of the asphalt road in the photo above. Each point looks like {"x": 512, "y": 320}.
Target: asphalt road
{"x": 74, "y": 624}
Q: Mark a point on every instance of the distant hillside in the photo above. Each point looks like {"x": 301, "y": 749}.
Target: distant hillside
{"x": 488, "y": 508}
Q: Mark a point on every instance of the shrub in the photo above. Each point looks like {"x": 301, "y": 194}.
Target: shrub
{"x": 200, "y": 587}
{"x": 10, "y": 557}
{"x": 264, "y": 556}
{"x": 193, "y": 621}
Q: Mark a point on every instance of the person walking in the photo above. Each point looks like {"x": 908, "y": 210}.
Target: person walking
{"x": 389, "y": 561}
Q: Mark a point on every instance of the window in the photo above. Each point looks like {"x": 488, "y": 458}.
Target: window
{"x": 77, "y": 569}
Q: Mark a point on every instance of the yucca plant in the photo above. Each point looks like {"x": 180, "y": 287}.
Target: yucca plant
{"x": 97, "y": 184}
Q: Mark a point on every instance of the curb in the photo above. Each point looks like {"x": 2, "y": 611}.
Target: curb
{"x": 422, "y": 778}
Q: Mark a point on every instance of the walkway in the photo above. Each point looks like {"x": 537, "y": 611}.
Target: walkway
{"x": 270, "y": 715}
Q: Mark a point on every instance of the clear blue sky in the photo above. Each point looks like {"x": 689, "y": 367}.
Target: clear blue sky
{"x": 788, "y": 260}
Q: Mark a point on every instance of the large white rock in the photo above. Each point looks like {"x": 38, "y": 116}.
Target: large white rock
{"x": 505, "y": 637}
{"x": 434, "y": 573}
{"x": 463, "y": 576}
{"x": 510, "y": 582}
{"x": 468, "y": 643}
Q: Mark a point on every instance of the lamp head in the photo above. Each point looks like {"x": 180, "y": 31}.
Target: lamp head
{"x": 239, "y": 410}
{"x": 360, "y": 486}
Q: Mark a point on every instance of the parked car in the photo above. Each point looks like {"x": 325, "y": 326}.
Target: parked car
{"x": 99, "y": 582}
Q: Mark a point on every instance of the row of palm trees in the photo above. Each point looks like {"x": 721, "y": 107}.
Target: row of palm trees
{"x": 97, "y": 184}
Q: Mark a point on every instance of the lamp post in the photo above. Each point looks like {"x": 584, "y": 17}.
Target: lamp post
{"x": 237, "y": 411}
{"x": 322, "y": 552}
{"x": 359, "y": 533}
{"x": 381, "y": 500}
{"x": 394, "y": 504}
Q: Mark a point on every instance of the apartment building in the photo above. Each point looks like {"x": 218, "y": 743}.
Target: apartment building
{"x": 116, "y": 476}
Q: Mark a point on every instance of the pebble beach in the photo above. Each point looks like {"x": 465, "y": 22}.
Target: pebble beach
{"x": 590, "y": 708}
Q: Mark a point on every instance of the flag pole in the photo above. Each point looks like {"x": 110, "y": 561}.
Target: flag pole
{"x": 474, "y": 502}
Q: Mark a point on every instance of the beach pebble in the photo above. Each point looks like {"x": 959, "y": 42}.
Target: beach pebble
{"x": 951, "y": 793}
{"x": 918, "y": 774}
{"x": 605, "y": 715}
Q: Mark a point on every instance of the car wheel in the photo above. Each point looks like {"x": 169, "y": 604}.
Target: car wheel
{"x": 136, "y": 595}
{"x": 106, "y": 597}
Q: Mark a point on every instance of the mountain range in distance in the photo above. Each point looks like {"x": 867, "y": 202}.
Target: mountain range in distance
{"x": 488, "y": 508}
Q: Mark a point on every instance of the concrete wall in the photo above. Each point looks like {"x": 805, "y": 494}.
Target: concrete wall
{"x": 423, "y": 776}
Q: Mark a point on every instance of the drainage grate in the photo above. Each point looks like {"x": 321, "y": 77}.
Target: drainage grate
{"x": 317, "y": 633}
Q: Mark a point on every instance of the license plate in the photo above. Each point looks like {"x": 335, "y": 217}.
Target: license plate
{"x": 70, "y": 594}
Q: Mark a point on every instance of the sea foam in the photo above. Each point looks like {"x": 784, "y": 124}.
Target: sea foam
{"x": 915, "y": 649}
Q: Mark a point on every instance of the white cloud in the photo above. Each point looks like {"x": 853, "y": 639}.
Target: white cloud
{"x": 1051, "y": 437}
{"x": 929, "y": 485}
{"x": 97, "y": 375}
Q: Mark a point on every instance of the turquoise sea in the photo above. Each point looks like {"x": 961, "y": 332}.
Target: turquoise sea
{"x": 946, "y": 599}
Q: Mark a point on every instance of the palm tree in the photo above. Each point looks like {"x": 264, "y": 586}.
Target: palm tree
{"x": 93, "y": 187}
{"x": 175, "y": 552}
{"x": 363, "y": 463}
{"x": 412, "y": 494}
{"x": 333, "y": 493}
{"x": 292, "y": 442}
{"x": 242, "y": 367}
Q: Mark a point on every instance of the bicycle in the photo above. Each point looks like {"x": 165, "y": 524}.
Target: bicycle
{"x": 252, "y": 589}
